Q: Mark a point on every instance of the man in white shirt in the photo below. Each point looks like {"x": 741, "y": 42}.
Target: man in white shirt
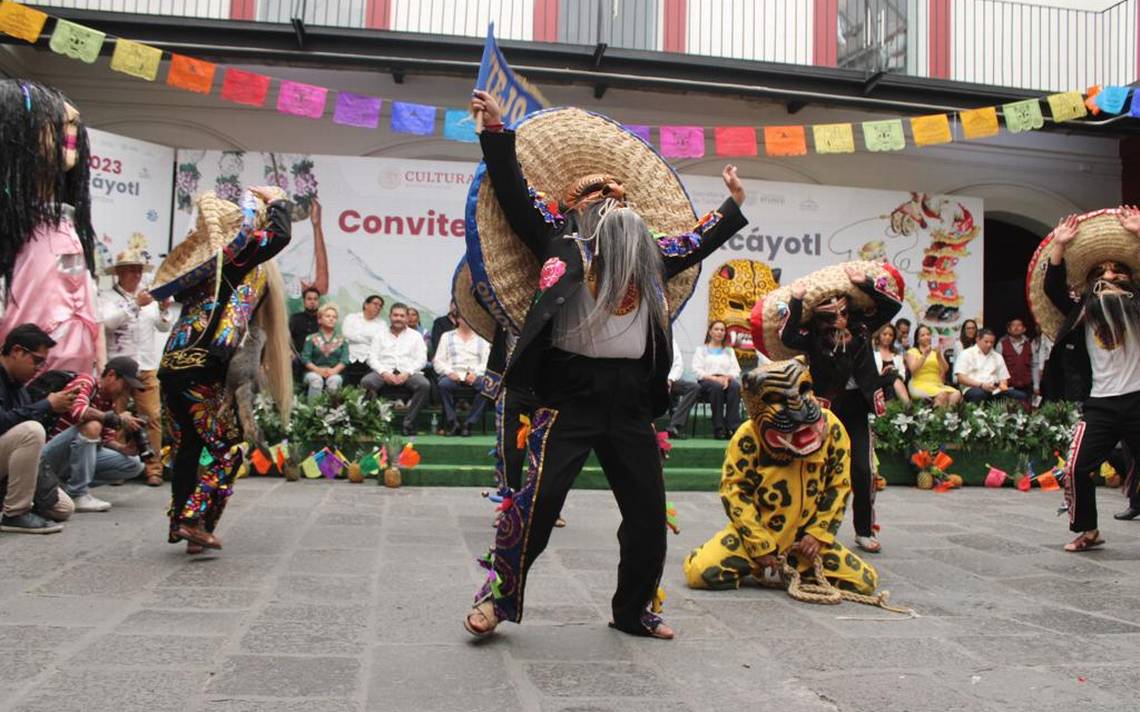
{"x": 133, "y": 321}
{"x": 460, "y": 359}
{"x": 397, "y": 360}
{"x": 682, "y": 393}
{"x": 981, "y": 372}
{"x": 359, "y": 332}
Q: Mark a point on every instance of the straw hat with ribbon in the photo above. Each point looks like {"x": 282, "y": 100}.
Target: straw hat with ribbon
{"x": 557, "y": 149}
{"x": 221, "y": 228}
{"x": 129, "y": 258}
{"x": 769, "y": 315}
{"x": 1100, "y": 238}
{"x": 474, "y": 313}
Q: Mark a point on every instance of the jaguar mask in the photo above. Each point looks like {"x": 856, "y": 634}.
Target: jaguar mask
{"x": 733, "y": 289}
{"x": 781, "y": 403}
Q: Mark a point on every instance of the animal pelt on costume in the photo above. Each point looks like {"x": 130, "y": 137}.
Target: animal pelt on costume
{"x": 786, "y": 476}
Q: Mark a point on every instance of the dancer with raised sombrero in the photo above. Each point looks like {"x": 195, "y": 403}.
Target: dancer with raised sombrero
{"x": 590, "y": 292}
{"x": 222, "y": 275}
{"x": 830, "y": 315}
{"x": 1083, "y": 292}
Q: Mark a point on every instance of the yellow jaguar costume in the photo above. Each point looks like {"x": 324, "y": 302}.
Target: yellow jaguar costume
{"x": 785, "y": 476}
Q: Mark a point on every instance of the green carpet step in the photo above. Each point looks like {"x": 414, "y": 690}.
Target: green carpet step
{"x": 476, "y": 451}
{"x": 677, "y": 479}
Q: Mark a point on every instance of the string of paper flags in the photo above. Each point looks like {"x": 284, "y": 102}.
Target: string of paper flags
{"x": 363, "y": 111}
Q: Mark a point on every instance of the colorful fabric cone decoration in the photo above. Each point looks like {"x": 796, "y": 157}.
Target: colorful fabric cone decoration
{"x": 995, "y": 477}
{"x": 408, "y": 458}
{"x": 1024, "y": 483}
{"x": 261, "y": 461}
{"x": 671, "y": 518}
{"x": 1047, "y": 481}
{"x": 370, "y": 463}
{"x": 310, "y": 468}
{"x": 942, "y": 460}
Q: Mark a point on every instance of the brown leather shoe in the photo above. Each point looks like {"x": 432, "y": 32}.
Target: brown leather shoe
{"x": 154, "y": 480}
{"x": 197, "y": 535}
{"x": 194, "y": 549}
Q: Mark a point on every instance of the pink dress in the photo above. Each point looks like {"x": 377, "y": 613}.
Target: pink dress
{"x": 52, "y": 288}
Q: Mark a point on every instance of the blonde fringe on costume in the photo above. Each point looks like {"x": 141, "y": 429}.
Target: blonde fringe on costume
{"x": 276, "y": 358}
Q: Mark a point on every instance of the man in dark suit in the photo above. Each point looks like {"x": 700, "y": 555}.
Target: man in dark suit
{"x": 596, "y": 349}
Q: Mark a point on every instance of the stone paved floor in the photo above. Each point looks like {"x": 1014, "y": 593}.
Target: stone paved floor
{"x": 339, "y": 597}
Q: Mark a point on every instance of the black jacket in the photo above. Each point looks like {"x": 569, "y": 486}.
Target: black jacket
{"x": 543, "y": 233}
{"x": 829, "y": 375}
{"x": 1068, "y": 372}
{"x": 17, "y": 406}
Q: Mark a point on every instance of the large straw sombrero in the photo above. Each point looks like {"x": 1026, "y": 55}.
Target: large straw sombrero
{"x": 219, "y": 226}
{"x": 769, "y": 315}
{"x": 556, "y": 148}
{"x": 475, "y": 314}
{"x": 1100, "y": 238}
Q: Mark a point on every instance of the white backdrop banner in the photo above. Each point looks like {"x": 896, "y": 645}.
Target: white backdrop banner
{"x": 395, "y": 227}
{"x": 131, "y": 185}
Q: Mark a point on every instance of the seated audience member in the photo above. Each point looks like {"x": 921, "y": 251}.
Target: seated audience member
{"x": 890, "y": 364}
{"x": 785, "y": 484}
{"x": 304, "y": 322}
{"x": 1042, "y": 347}
{"x": 414, "y": 325}
{"x": 359, "y": 331}
{"x": 84, "y": 449}
{"x": 22, "y": 435}
{"x": 902, "y": 335}
{"x": 1017, "y": 351}
{"x": 441, "y": 326}
{"x": 460, "y": 362}
{"x": 928, "y": 369}
{"x": 981, "y": 373}
{"x": 682, "y": 394}
{"x": 325, "y": 354}
{"x": 718, "y": 374}
{"x": 397, "y": 359}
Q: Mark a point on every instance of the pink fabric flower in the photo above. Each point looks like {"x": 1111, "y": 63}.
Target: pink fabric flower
{"x": 552, "y": 271}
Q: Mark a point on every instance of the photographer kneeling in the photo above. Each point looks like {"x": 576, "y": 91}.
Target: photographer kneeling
{"x": 84, "y": 449}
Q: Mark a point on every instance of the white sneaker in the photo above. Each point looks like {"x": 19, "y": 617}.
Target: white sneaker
{"x": 87, "y": 503}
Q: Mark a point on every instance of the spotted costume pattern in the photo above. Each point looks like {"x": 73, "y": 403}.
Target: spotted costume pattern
{"x": 771, "y": 506}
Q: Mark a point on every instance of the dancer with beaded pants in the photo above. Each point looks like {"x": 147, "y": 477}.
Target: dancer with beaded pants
{"x": 1097, "y": 354}
{"x": 217, "y": 310}
{"x": 603, "y": 276}
{"x": 785, "y": 484}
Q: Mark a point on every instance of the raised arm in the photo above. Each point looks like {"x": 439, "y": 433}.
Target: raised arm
{"x": 527, "y": 210}
{"x": 790, "y": 333}
{"x": 713, "y": 230}
{"x": 1056, "y": 275}
{"x": 887, "y": 305}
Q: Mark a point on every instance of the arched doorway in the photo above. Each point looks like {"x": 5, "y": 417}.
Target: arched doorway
{"x": 1010, "y": 243}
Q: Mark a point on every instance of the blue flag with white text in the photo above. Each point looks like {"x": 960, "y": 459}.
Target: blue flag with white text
{"x": 515, "y": 95}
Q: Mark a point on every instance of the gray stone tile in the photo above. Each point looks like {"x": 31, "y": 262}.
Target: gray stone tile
{"x": 882, "y": 692}
{"x": 39, "y": 637}
{"x": 903, "y": 654}
{"x": 345, "y": 518}
{"x": 283, "y": 676}
{"x": 334, "y": 590}
{"x": 470, "y": 677}
{"x": 596, "y": 679}
{"x": 84, "y": 579}
{"x": 320, "y": 613}
{"x": 357, "y": 562}
{"x": 199, "y": 598}
{"x": 565, "y": 643}
{"x": 328, "y": 536}
{"x": 122, "y": 691}
{"x": 229, "y": 572}
{"x": 160, "y": 621}
{"x": 1075, "y": 623}
{"x": 1046, "y": 690}
{"x": 145, "y": 651}
{"x": 19, "y": 666}
{"x": 60, "y": 610}
{"x": 314, "y": 704}
{"x": 310, "y": 637}
{"x": 993, "y": 544}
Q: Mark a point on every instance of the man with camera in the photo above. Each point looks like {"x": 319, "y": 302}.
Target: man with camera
{"x": 85, "y": 448}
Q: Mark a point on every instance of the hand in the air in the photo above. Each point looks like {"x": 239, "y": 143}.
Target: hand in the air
{"x": 482, "y": 101}
{"x": 732, "y": 182}
{"x": 1129, "y": 217}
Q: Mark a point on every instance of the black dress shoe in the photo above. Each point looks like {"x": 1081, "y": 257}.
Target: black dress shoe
{"x": 454, "y": 429}
{"x": 407, "y": 432}
{"x": 465, "y": 431}
{"x": 1127, "y": 515}
{"x": 677, "y": 435}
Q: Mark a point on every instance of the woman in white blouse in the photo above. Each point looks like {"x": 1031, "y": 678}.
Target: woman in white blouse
{"x": 718, "y": 373}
